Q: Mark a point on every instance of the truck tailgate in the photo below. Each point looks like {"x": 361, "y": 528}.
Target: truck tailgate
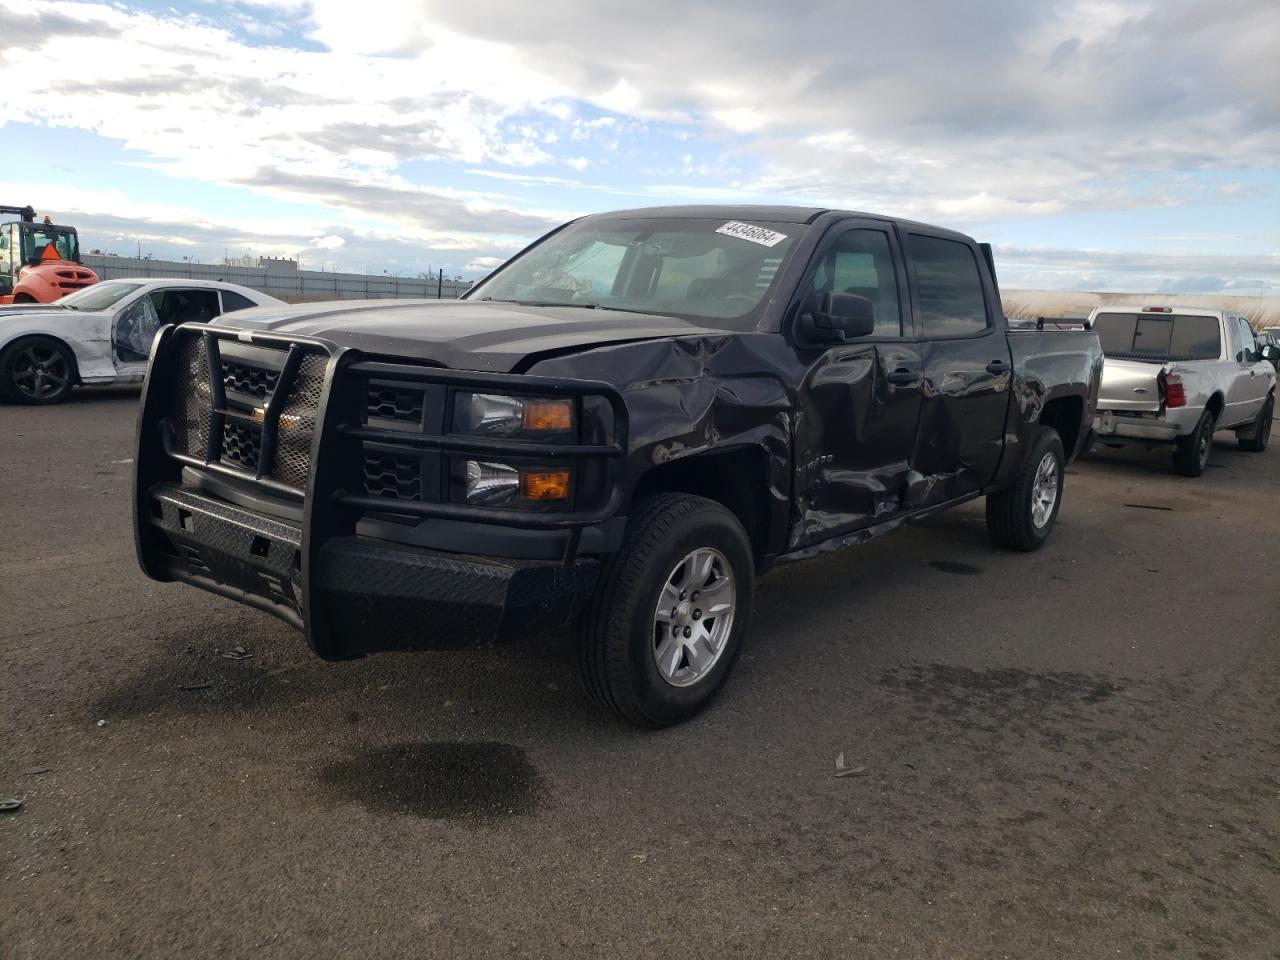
{"x": 1130, "y": 385}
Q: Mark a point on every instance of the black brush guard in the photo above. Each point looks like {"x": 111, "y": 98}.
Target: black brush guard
{"x": 351, "y": 594}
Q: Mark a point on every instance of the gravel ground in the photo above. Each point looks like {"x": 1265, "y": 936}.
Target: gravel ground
{"x": 1067, "y": 754}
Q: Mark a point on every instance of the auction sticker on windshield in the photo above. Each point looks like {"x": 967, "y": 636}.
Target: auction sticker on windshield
{"x": 745, "y": 231}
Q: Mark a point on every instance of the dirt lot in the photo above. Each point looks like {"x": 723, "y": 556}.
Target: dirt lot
{"x": 1069, "y": 754}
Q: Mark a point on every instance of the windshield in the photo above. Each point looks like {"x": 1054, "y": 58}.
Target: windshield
{"x": 37, "y": 236}
{"x": 1158, "y": 337}
{"x": 699, "y": 269}
{"x": 99, "y": 296}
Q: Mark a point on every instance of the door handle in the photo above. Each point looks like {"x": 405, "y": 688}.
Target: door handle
{"x": 903, "y": 375}
{"x": 997, "y": 366}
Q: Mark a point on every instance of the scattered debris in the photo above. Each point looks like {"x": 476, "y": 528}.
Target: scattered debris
{"x": 11, "y": 806}
{"x": 640, "y": 857}
{"x": 195, "y": 686}
{"x": 239, "y": 653}
{"x": 102, "y": 723}
{"x": 35, "y": 771}
{"x": 843, "y": 771}
{"x": 1148, "y": 506}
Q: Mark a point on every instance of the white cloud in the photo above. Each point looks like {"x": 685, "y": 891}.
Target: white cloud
{"x": 956, "y": 112}
{"x": 327, "y": 242}
{"x": 483, "y": 264}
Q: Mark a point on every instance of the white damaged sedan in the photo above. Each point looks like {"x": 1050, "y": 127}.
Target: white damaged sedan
{"x": 102, "y": 334}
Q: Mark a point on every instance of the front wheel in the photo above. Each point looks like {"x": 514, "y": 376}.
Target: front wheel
{"x": 1021, "y": 516}
{"x": 1258, "y": 435}
{"x": 668, "y": 617}
{"x": 36, "y": 370}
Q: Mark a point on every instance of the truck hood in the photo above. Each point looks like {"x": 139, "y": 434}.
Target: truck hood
{"x": 462, "y": 334}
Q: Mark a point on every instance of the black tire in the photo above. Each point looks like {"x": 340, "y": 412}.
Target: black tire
{"x": 21, "y": 382}
{"x": 1256, "y": 438}
{"x": 1191, "y": 456}
{"x": 618, "y": 635}
{"x": 1011, "y": 512}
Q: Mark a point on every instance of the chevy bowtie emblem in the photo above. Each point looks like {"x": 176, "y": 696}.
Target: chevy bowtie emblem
{"x": 287, "y": 420}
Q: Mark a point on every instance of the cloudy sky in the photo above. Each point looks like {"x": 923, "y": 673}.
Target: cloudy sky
{"x": 1099, "y": 144}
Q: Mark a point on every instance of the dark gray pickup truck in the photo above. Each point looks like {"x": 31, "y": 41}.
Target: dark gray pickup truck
{"x": 614, "y": 434}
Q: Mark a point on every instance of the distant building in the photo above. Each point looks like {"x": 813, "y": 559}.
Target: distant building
{"x": 278, "y": 265}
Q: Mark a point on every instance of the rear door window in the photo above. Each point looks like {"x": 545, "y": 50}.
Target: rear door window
{"x": 949, "y": 287}
{"x": 1158, "y": 337}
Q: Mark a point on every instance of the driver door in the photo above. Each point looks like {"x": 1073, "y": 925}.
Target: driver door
{"x": 136, "y": 325}
{"x": 132, "y": 330}
{"x": 860, "y": 400}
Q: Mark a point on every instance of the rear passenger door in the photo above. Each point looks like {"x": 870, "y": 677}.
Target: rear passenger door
{"x": 967, "y": 372}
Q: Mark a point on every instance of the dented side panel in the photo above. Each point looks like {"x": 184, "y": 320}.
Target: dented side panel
{"x": 1049, "y": 366}
{"x": 962, "y": 418}
{"x": 854, "y": 432}
{"x": 695, "y": 396}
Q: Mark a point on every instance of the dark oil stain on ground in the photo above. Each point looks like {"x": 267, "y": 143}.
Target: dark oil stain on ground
{"x": 950, "y": 566}
{"x": 476, "y": 782}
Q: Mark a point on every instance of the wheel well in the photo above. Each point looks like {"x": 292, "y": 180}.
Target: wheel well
{"x": 1065, "y": 414}
{"x": 737, "y": 480}
{"x": 23, "y": 298}
{"x": 1215, "y": 404}
{"x": 16, "y": 341}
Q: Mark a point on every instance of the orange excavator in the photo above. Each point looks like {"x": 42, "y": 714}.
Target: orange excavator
{"x": 39, "y": 262}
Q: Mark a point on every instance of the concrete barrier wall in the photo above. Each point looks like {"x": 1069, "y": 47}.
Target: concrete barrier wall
{"x": 291, "y": 285}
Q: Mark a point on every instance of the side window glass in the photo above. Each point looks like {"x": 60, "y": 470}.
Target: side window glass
{"x": 1247, "y": 342}
{"x": 135, "y": 328}
{"x": 189, "y": 306}
{"x": 232, "y": 301}
{"x": 860, "y": 262}
{"x": 950, "y": 287}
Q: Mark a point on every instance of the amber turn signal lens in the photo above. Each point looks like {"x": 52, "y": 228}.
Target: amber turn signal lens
{"x": 544, "y": 485}
{"x": 548, "y": 415}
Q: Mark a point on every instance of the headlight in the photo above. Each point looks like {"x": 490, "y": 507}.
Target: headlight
{"x": 495, "y": 484}
{"x": 495, "y": 415}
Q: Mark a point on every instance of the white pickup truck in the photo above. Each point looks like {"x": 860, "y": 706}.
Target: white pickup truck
{"x": 1177, "y": 375}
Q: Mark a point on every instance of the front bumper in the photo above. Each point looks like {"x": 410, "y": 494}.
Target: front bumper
{"x": 275, "y": 506}
{"x": 373, "y": 595}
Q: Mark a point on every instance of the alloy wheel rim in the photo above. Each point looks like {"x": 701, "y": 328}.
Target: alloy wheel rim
{"x": 40, "y": 372}
{"x": 693, "y": 617}
{"x": 1044, "y": 491}
{"x": 1206, "y": 441}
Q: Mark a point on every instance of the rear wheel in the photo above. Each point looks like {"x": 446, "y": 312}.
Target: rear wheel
{"x": 1021, "y": 516}
{"x": 1191, "y": 457}
{"x": 670, "y": 612}
{"x": 1258, "y": 435}
{"x": 36, "y": 370}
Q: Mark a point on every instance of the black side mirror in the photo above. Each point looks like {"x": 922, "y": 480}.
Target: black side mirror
{"x": 839, "y": 317}
{"x": 1271, "y": 353}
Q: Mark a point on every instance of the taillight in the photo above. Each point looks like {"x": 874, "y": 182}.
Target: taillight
{"x": 1171, "y": 387}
